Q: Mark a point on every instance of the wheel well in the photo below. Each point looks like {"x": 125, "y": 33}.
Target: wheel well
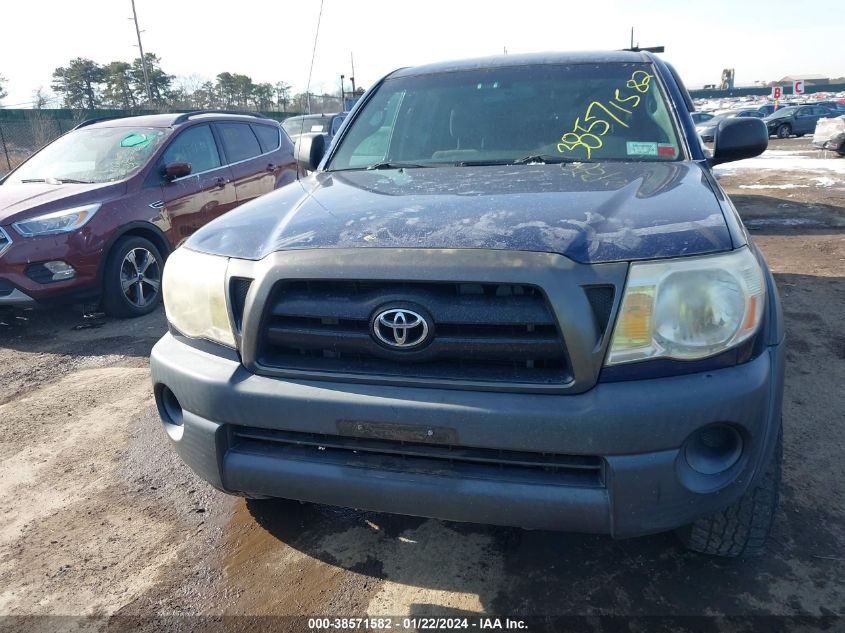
{"x": 158, "y": 240}
{"x": 151, "y": 234}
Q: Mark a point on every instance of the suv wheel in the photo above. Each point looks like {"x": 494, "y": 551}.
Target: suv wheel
{"x": 740, "y": 529}
{"x": 132, "y": 278}
{"x": 784, "y": 130}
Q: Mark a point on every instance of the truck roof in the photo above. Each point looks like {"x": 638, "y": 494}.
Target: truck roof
{"x": 528, "y": 59}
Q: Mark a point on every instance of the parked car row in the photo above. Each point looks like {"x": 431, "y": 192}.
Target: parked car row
{"x": 797, "y": 120}
{"x": 784, "y": 122}
{"x": 707, "y": 129}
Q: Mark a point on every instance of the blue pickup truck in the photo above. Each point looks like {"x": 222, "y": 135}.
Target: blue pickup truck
{"x": 510, "y": 291}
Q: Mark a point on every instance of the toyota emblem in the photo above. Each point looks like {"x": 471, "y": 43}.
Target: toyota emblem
{"x": 400, "y": 328}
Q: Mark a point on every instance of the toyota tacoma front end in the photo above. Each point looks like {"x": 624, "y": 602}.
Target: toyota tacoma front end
{"x": 510, "y": 292}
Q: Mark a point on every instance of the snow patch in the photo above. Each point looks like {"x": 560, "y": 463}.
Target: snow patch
{"x": 786, "y": 186}
{"x": 788, "y": 163}
{"x": 783, "y": 222}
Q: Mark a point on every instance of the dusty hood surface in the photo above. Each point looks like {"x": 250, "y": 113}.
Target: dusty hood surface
{"x": 588, "y": 212}
{"x": 21, "y": 201}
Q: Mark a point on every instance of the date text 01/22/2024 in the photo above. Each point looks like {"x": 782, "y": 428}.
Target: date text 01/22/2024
{"x": 415, "y": 624}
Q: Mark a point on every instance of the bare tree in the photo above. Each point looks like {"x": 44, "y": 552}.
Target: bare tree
{"x": 40, "y": 98}
{"x": 188, "y": 91}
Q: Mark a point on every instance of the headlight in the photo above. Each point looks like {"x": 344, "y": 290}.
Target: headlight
{"x": 63, "y": 221}
{"x": 688, "y": 308}
{"x": 194, "y": 287}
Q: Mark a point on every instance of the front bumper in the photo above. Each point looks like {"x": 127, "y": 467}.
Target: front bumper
{"x": 18, "y": 288}
{"x": 836, "y": 144}
{"x": 14, "y": 297}
{"x": 638, "y": 429}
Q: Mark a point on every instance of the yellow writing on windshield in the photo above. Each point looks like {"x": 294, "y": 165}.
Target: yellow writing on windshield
{"x": 598, "y": 117}
{"x": 597, "y": 172}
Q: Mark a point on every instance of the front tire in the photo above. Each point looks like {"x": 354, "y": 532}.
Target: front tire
{"x": 132, "y": 278}
{"x": 784, "y": 130}
{"x": 742, "y": 528}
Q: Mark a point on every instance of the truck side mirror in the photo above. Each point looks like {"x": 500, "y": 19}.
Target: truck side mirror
{"x": 310, "y": 149}
{"x": 739, "y": 137}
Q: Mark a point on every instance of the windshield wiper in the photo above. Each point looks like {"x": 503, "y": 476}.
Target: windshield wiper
{"x": 482, "y": 163}
{"x": 547, "y": 159}
{"x": 59, "y": 181}
{"x": 389, "y": 165}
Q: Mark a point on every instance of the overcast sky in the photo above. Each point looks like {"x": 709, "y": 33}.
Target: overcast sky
{"x": 271, "y": 40}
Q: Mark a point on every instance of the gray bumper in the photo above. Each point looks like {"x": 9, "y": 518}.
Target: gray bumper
{"x": 638, "y": 428}
{"x": 16, "y": 298}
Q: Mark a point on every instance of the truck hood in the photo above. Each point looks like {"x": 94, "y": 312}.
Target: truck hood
{"x": 21, "y": 201}
{"x": 589, "y": 212}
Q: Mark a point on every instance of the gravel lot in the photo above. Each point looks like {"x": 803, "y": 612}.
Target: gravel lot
{"x": 100, "y": 518}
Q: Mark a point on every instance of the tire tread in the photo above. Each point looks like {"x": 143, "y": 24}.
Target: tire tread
{"x": 742, "y": 528}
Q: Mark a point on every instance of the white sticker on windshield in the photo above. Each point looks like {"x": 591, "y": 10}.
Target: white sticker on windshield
{"x": 640, "y": 148}
{"x": 316, "y": 128}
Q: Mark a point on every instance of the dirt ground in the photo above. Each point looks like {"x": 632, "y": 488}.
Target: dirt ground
{"x": 100, "y": 517}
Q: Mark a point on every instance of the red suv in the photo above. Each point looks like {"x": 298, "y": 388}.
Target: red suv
{"x": 95, "y": 213}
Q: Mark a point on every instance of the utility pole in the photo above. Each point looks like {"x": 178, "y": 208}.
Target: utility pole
{"x": 352, "y": 76}
{"x": 342, "y": 94}
{"x": 143, "y": 59}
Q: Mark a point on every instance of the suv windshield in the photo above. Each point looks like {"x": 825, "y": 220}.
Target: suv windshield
{"x": 543, "y": 113}
{"x": 92, "y": 155}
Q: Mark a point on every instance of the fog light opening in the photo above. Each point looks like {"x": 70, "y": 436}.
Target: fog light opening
{"x": 713, "y": 449}
{"x": 171, "y": 410}
{"x": 60, "y": 270}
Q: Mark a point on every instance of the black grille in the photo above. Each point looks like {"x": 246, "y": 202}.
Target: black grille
{"x": 238, "y": 289}
{"x": 601, "y": 301}
{"x": 422, "y": 458}
{"x": 39, "y": 273}
{"x": 482, "y": 332}
{"x": 6, "y": 287}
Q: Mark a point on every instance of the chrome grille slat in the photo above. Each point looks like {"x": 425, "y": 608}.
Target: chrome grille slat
{"x": 5, "y": 240}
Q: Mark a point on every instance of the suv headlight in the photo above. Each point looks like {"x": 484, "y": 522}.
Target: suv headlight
{"x": 194, "y": 291}
{"x": 688, "y": 308}
{"x": 63, "y": 221}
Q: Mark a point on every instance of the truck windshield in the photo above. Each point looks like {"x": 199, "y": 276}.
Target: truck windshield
{"x": 91, "y": 155}
{"x": 542, "y": 113}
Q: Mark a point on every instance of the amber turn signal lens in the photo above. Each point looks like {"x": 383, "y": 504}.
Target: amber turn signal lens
{"x": 635, "y": 324}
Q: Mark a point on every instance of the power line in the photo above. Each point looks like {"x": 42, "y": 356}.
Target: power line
{"x": 313, "y": 55}
{"x": 27, "y": 103}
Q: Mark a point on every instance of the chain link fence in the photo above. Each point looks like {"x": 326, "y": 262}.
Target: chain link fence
{"x": 23, "y": 132}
